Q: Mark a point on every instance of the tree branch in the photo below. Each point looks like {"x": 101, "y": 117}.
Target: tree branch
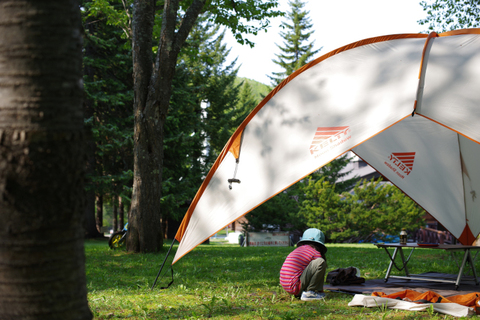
{"x": 128, "y": 30}
{"x": 188, "y": 22}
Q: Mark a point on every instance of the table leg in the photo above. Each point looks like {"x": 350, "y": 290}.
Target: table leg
{"x": 462, "y": 266}
{"x": 391, "y": 262}
{"x": 403, "y": 262}
{"x": 472, "y": 265}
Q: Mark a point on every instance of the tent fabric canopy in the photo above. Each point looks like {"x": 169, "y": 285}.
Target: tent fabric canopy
{"x": 408, "y": 104}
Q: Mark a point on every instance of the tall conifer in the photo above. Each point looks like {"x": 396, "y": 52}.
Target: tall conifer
{"x": 296, "y": 50}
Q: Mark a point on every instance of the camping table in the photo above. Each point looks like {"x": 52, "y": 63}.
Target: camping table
{"x": 447, "y": 247}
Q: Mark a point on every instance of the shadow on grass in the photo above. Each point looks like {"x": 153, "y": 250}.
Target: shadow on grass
{"x": 223, "y": 281}
{"x": 235, "y": 265}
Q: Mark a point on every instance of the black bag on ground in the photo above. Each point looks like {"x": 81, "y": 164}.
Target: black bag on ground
{"x": 344, "y": 276}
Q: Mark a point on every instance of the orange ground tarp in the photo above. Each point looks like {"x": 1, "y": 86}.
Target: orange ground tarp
{"x": 468, "y": 300}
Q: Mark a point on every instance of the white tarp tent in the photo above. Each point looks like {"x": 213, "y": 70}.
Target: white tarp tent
{"x": 360, "y": 98}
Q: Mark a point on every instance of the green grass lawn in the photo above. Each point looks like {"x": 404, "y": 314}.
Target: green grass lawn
{"x": 226, "y": 281}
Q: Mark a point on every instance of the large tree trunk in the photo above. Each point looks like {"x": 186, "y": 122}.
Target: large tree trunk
{"x": 90, "y": 224}
{"x": 42, "y": 272}
{"x": 114, "y": 213}
{"x": 121, "y": 221}
{"x": 99, "y": 209}
{"x": 144, "y": 230}
{"x": 153, "y": 89}
{"x": 88, "y": 110}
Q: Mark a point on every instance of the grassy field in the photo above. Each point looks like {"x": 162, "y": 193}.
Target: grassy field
{"x": 226, "y": 281}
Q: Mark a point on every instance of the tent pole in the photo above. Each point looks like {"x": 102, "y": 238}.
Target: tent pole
{"x": 161, "y": 268}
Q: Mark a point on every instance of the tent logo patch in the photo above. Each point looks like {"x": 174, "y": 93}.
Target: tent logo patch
{"x": 328, "y": 138}
{"x": 401, "y": 163}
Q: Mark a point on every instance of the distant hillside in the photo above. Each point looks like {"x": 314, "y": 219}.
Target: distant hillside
{"x": 259, "y": 89}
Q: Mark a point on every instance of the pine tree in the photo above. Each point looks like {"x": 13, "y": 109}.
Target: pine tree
{"x": 108, "y": 110}
{"x": 296, "y": 49}
{"x": 332, "y": 172}
{"x": 246, "y": 100}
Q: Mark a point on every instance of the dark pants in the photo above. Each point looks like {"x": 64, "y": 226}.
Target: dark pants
{"x": 313, "y": 276}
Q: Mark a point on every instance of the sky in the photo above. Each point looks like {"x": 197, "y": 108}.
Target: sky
{"x": 335, "y": 23}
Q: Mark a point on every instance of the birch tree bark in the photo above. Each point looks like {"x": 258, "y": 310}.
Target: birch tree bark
{"x": 42, "y": 263}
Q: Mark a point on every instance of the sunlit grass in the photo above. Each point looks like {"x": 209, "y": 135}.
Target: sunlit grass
{"x": 225, "y": 281}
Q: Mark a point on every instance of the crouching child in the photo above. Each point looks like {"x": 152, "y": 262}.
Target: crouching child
{"x": 303, "y": 272}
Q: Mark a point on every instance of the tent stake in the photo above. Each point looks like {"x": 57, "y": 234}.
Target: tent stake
{"x": 161, "y": 268}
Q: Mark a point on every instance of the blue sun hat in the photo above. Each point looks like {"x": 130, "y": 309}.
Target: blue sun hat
{"x": 313, "y": 235}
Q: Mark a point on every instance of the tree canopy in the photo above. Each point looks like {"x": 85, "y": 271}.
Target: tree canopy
{"x": 370, "y": 210}
{"x": 183, "y": 98}
{"x": 446, "y": 15}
